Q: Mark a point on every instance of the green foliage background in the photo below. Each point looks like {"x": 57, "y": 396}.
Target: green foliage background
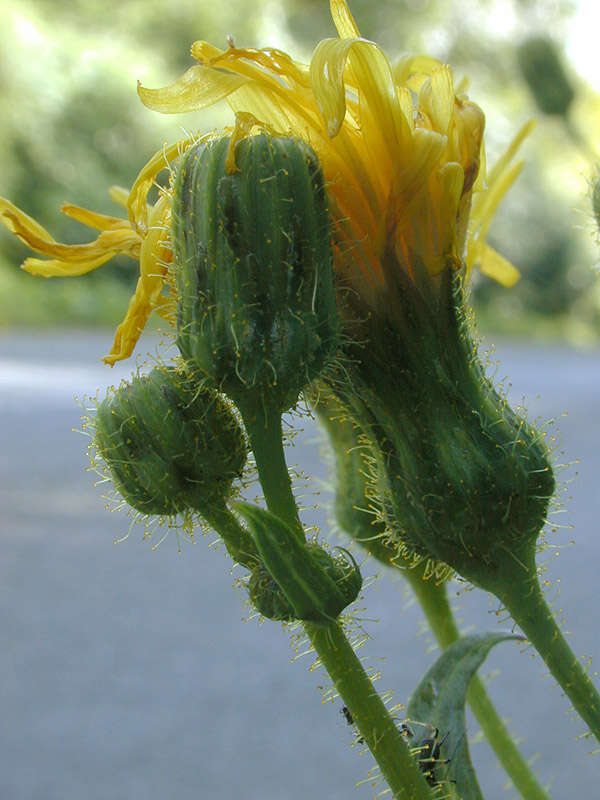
{"x": 72, "y": 126}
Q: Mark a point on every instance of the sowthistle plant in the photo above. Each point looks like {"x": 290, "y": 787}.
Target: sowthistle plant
{"x": 322, "y": 247}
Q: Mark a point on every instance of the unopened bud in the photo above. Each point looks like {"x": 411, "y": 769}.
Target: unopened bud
{"x": 253, "y": 266}
{"x": 298, "y": 580}
{"x": 168, "y": 444}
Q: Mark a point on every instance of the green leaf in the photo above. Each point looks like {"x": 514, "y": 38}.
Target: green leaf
{"x": 438, "y": 702}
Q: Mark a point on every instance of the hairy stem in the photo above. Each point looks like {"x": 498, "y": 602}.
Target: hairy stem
{"x": 263, "y": 426}
{"x": 238, "y": 541}
{"x": 520, "y": 591}
{"x": 373, "y": 720}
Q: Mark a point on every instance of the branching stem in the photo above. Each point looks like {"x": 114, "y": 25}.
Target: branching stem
{"x": 373, "y": 720}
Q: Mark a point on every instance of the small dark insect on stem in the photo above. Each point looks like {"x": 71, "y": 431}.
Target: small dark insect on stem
{"x": 350, "y": 720}
{"x": 427, "y": 752}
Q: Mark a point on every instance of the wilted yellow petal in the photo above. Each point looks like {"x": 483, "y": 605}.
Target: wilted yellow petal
{"x": 153, "y": 271}
{"x": 436, "y": 98}
{"x": 262, "y": 66}
{"x": 123, "y": 240}
{"x": 495, "y": 266}
{"x": 343, "y": 20}
{"x": 197, "y": 88}
{"x": 67, "y": 259}
{"x": 510, "y": 151}
{"x": 100, "y": 222}
{"x": 137, "y": 202}
{"x": 413, "y": 71}
{"x": 485, "y": 204}
{"x": 57, "y": 268}
{"x": 327, "y": 79}
{"x": 119, "y": 195}
{"x": 204, "y": 52}
{"x": 21, "y": 224}
{"x": 381, "y": 117}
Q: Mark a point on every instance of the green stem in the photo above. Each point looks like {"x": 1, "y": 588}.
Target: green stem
{"x": 373, "y": 720}
{"x": 238, "y": 541}
{"x": 266, "y": 440}
{"x": 434, "y": 602}
{"x": 520, "y": 591}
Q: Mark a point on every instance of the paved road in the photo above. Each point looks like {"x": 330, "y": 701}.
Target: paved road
{"x": 130, "y": 674}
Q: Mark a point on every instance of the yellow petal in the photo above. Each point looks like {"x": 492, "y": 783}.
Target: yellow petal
{"x": 381, "y": 117}
{"x": 486, "y": 203}
{"x": 343, "y": 20}
{"x": 510, "y": 151}
{"x": 413, "y": 71}
{"x": 137, "y": 202}
{"x": 100, "y": 222}
{"x": 405, "y": 102}
{"x": 204, "y": 52}
{"x": 153, "y": 272}
{"x": 68, "y": 259}
{"x": 21, "y": 224}
{"x": 492, "y": 264}
{"x": 119, "y": 195}
{"x": 197, "y": 88}
{"x": 327, "y": 79}
{"x": 63, "y": 268}
{"x": 262, "y": 66}
{"x": 410, "y": 180}
{"x": 436, "y": 98}
{"x": 244, "y": 123}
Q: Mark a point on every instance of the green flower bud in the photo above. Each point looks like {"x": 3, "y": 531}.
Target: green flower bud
{"x": 298, "y": 580}
{"x": 463, "y": 479}
{"x": 169, "y": 445}
{"x": 253, "y": 267}
{"x": 543, "y": 71}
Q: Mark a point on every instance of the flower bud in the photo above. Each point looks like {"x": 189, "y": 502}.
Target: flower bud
{"x": 298, "y": 580}
{"x": 253, "y": 266}
{"x": 169, "y": 445}
{"x": 544, "y": 73}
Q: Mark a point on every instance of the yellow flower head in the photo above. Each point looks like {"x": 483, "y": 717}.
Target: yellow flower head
{"x": 401, "y": 150}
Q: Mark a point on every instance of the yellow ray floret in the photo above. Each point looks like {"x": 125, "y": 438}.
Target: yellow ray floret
{"x": 144, "y": 236}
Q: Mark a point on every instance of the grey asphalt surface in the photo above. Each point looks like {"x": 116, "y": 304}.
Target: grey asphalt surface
{"x": 131, "y": 674}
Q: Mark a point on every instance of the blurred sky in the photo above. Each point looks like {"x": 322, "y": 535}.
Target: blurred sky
{"x": 582, "y": 41}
